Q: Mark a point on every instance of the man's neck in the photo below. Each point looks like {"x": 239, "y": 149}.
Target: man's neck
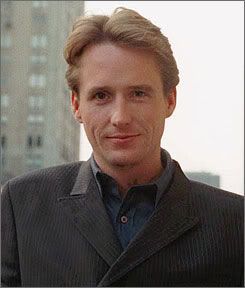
{"x": 128, "y": 176}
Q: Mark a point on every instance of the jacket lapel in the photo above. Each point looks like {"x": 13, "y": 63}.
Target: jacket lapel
{"x": 85, "y": 208}
{"x": 172, "y": 218}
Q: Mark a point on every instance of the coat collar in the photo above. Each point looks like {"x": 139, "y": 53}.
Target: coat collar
{"x": 172, "y": 217}
{"x": 86, "y": 209}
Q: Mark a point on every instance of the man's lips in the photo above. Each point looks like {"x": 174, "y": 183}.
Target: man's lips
{"x": 122, "y": 139}
{"x": 122, "y": 136}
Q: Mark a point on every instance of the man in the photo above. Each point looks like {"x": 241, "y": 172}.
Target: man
{"x": 128, "y": 216}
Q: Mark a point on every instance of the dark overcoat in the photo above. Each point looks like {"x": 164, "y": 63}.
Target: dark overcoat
{"x": 56, "y": 232}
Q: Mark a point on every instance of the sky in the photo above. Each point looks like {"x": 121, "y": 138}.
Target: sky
{"x": 206, "y": 131}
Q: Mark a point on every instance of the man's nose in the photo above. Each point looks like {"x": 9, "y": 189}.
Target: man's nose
{"x": 121, "y": 114}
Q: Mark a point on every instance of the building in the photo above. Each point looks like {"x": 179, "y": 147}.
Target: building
{"x": 205, "y": 177}
{"x": 37, "y": 126}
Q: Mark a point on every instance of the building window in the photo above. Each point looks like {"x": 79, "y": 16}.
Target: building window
{"x": 8, "y": 24}
{"x": 37, "y": 4}
{"x": 36, "y": 102}
{"x": 4, "y": 100}
{"x": 3, "y": 161}
{"x": 4, "y": 119}
{"x": 40, "y": 59}
{"x": 39, "y": 41}
{"x": 6, "y": 41}
{"x": 40, "y": 20}
{"x": 4, "y": 79}
{"x": 5, "y": 59}
{"x": 34, "y": 141}
{"x": 39, "y": 142}
{"x": 29, "y": 141}
{"x": 35, "y": 119}
{"x": 37, "y": 80}
{"x": 34, "y": 162}
{"x": 3, "y": 142}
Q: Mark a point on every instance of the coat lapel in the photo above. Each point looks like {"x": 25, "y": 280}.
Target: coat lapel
{"x": 85, "y": 208}
{"x": 172, "y": 218}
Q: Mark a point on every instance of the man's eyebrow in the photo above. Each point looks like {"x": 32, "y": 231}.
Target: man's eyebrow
{"x": 143, "y": 87}
{"x": 94, "y": 89}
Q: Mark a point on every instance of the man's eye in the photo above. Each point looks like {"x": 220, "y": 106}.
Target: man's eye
{"x": 139, "y": 93}
{"x": 100, "y": 96}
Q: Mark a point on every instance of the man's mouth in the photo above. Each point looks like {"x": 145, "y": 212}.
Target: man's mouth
{"x": 122, "y": 139}
{"x": 122, "y": 136}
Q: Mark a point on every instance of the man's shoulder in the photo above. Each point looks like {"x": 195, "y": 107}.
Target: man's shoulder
{"x": 51, "y": 178}
{"x": 215, "y": 199}
{"x": 204, "y": 193}
{"x": 47, "y": 173}
{"x": 206, "y": 190}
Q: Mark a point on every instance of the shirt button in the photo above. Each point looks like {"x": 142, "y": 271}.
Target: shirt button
{"x": 124, "y": 219}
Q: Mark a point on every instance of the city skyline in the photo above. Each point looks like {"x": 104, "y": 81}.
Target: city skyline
{"x": 37, "y": 126}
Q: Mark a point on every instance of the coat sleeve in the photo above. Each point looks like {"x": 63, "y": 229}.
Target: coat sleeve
{"x": 10, "y": 270}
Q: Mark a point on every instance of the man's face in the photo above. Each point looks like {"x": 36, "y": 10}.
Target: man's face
{"x": 122, "y": 105}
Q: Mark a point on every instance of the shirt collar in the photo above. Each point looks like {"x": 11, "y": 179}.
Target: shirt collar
{"x": 162, "y": 182}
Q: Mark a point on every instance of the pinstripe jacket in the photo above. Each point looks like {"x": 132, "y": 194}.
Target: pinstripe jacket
{"x": 56, "y": 232}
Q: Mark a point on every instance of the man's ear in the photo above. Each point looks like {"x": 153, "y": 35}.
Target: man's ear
{"x": 75, "y": 106}
{"x": 170, "y": 102}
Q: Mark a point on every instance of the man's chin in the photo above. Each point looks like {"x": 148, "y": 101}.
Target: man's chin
{"x": 123, "y": 160}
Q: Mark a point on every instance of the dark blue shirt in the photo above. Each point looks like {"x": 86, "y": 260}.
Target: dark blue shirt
{"x": 128, "y": 215}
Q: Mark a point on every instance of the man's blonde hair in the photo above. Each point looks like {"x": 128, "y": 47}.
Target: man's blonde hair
{"x": 125, "y": 27}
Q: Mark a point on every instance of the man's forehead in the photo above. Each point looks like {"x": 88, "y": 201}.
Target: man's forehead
{"x": 113, "y": 51}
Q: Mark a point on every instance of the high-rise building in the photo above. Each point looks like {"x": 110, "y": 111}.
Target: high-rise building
{"x": 205, "y": 177}
{"x": 37, "y": 125}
